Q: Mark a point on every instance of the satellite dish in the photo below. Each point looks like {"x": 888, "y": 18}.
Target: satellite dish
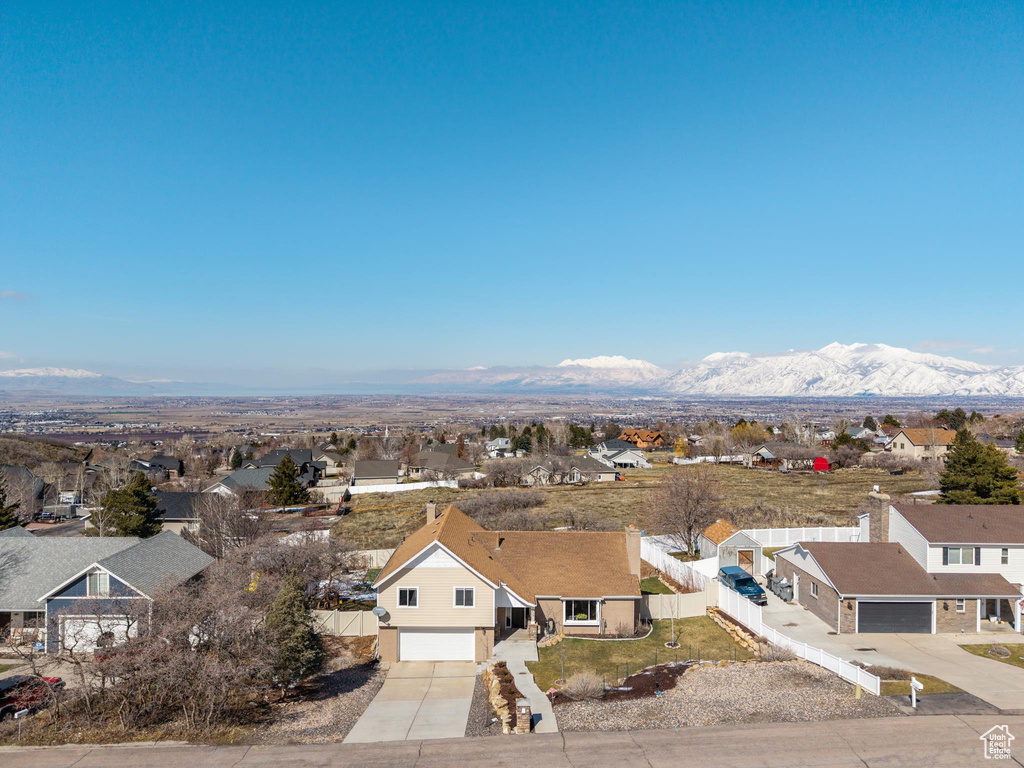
{"x": 379, "y": 611}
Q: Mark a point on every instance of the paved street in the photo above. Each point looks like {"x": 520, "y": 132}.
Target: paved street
{"x": 911, "y": 741}
{"x": 1001, "y": 685}
{"x": 419, "y": 700}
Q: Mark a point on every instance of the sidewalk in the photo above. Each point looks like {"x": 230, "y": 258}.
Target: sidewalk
{"x": 515, "y": 654}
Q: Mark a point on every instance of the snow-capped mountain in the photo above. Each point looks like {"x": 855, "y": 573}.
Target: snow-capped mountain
{"x": 836, "y": 370}
{"x": 63, "y": 373}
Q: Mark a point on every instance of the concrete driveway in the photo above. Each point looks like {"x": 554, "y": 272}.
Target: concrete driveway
{"x": 419, "y": 700}
{"x": 999, "y": 684}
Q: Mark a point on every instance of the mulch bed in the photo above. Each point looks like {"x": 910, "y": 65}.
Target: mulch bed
{"x": 639, "y": 686}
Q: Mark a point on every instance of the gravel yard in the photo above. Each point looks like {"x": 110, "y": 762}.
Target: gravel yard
{"x": 480, "y": 713}
{"x": 790, "y": 691}
{"x": 340, "y": 696}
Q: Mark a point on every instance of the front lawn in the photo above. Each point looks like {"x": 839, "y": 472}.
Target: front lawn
{"x": 5, "y": 667}
{"x": 652, "y": 585}
{"x": 699, "y": 638}
{"x": 931, "y": 685}
{"x": 1016, "y": 652}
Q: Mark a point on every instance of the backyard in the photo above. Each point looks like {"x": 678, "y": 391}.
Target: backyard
{"x": 699, "y": 638}
{"x": 769, "y": 498}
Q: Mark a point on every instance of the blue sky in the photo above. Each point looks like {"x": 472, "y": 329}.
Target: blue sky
{"x": 257, "y": 191}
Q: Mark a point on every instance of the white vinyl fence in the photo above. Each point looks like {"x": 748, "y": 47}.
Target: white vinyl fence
{"x": 345, "y": 623}
{"x": 375, "y": 558}
{"x": 679, "y": 605}
{"x": 734, "y": 459}
{"x": 355, "y": 490}
{"x": 783, "y": 537}
{"x": 749, "y": 615}
{"x": 656, "y": 552}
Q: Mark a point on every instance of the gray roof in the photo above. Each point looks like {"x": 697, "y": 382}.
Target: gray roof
{"x": 375, "y": 469}
{"x": 17, "y": 531}
{"x": 161, "y": 560}
{"x": 589, "y": 464}
{"x": 177, "y": 505}
{"x": 615, "y": 445}
{"x": 249, "y": 479}
{"x": 299, "y": 455}
{"x": 29, "y": 568}
{"x": 440, "y": 461}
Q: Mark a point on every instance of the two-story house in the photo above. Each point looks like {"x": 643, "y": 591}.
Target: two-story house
{"x": 930, "y": 568}
{"x": 922, "y": 444}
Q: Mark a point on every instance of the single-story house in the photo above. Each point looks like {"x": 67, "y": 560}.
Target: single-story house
{"x": 375, "y": 472}
{"x": 922, "y": 444}
{"x": 732, "y": 547}
{"x": 619, "y": 454}
{"x": 880, "y": 587}
{"x": 452, "y": 588}
{"x": 254, "y": 480}
{"x": 79, "y": 593}
{"x": 785, "y": 456}
{"x": 178, "y": 510}
{"x": 442, "y": 464}
{"x": 498, "y": 447}
{"x": 860, "y": 433}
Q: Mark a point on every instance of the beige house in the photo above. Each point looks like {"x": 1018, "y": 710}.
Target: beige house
{"x": 375, "y": 473}
{"x": 452, "y": 589}
{"x": 922, "y": 444}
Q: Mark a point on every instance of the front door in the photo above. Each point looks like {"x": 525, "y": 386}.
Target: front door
{"x": 516, "y": 618}
{"x": 747, "y": 560}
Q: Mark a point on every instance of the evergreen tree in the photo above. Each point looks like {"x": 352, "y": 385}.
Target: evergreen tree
{"x": 522, "y": 443}
{"x": 890, "y": 421}
{"x": 236, "y": 459}
{"x": 976, "y": 418}
{"x": 285, "y": 488}
{"x": 131, "y": 510}
{"x": 955, "y": 419}
{"x": 351, "y": 444}
{"x": 977, "y": 474}
{"x": 1019, "y": 445}
{"x": 870, "y": 423}
{"x": 8, "y": 512}
{"x": 334, "y": 439}
{"x": 300, "y": 652}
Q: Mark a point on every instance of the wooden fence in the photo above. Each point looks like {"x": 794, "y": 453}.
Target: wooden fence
{"x": 345, "y": 623}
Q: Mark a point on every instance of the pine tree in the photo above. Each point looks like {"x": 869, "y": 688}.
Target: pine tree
{"x": 8, "y": 512}
{"x": 870, "y": 423}
{"x": 285, "y": 488}
{"x": 236, "y": 459}
{"x": 977, "y": 474}
{"x": 131, "y": 510}
{"x": 300, "y": 652}
{"x": 890, "y": 421}
{"x": 1019, "y": 445}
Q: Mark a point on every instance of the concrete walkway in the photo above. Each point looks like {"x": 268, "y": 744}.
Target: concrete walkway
{"x": 937, "y": 742}
{"x": 419, "y": 700}
{"x": 999, "y": 684}
{"x": 515, "y": 652}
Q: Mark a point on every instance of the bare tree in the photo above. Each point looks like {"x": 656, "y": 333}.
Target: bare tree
{"x": 224, "y": 524}
{"x": 685, "y": 503}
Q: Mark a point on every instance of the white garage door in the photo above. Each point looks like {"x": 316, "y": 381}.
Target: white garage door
{"x": 79, "y": 633}
{"x": 449, "y": 644}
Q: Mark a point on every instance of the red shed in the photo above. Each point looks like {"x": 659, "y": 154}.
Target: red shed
{"x": 821, "y": 464}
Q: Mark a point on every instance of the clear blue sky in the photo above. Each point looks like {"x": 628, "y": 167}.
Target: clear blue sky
{"x": 222, "y": 193}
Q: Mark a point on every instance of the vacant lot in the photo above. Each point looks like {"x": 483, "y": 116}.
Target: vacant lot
{"x": 752, "y": 498}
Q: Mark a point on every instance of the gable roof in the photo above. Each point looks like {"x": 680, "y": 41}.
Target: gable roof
{"x": 615, "y": 444}
{"x": 17, "y": 532}
{"x": 440, "y": 461}
{"x": 720, "y": 530}
{"x": 966, "y": 523}
{"x": 249, "y": 479}
{"x": 641, "y": 435}
{"x": 164, "y": 559}
{"x": 531, "y": 563}
{"x": 886, "y": 568}
{"x": 925, "y": 436}
{"x": 165, "y": 462}
{"x": 589, "y": 464}
{"x": 177, "y": 505}
{"x": 385, "y": 468}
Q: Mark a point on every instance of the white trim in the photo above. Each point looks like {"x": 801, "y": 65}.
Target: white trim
{"x": 398, "y": 598}
{"x": 84, "y": 571}
{"x": 588, "y": 622}
{"x": 377, "y": 584}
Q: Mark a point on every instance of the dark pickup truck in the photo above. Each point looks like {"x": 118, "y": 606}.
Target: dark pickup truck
{"x": 736, "y": 578}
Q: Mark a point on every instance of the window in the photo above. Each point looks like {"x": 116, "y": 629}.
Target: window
{"x": 581, "y": 611}
{"x": 961, "y": 605}
{"x": 1004, "y": 557}
{"x": 464, "y": 597}
{"x": 98, "y": 584}
{"x": 958, "y": 556}
{"x": 814, "y": 589}
{"x": 408, "y": 597}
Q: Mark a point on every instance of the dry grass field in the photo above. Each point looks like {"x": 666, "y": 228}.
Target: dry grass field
{"x": 751, "y": 498}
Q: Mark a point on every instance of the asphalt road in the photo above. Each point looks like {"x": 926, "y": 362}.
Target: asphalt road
{"x": 943, "y": 740}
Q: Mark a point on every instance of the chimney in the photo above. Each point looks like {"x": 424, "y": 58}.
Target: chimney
{"x": 633, "y": 549}
{"x": 431, "y": 512}
{"x": 879, "y": 520}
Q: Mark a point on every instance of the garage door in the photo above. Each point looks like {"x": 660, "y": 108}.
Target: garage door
{"x": 79, "y": 633}
{"x": 436, "y": 644}
{"x": 894, "y": 617}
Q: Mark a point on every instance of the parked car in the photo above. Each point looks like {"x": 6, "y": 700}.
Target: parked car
{"x": 25, "y": 692}
{"x": 738, "y": 579}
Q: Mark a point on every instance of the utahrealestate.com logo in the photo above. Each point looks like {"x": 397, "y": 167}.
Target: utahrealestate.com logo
{"x": 996, "y": 742}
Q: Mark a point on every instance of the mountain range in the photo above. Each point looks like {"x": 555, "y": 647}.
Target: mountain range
{"x": 835, "y": 370}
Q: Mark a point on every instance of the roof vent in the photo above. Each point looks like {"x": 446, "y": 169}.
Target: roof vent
{"x": 500, "y": 539}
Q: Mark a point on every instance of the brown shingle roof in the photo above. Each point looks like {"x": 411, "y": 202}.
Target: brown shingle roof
{"x": 886, "y": 568}
{"x": 384, "y": 468}
{"x": 720, "y": 530}
{"x": 926, "y": 436}
{"x": 966, "y": 523}
{"x": 530, "y": 563}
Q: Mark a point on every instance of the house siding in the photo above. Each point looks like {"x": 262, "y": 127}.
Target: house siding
{"x": 902, "y": 532}
{"x": 484, "y": 643}
{"x": 387, "y": 644}
{"x": 436, "y": 603}
{"x": 947, "y": 619}
{"x": 73, "y": 600}
{"x": 847, "y": 617}
{"x": 613, "y": 613}
{"x": 825, "y": 606}
{"x": 991, "y": 562}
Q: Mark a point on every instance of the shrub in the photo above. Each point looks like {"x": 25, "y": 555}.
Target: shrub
{"x": 772, "y": 652}
{"x": 888, "y": 673}
{"x": 583, "y": 686}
